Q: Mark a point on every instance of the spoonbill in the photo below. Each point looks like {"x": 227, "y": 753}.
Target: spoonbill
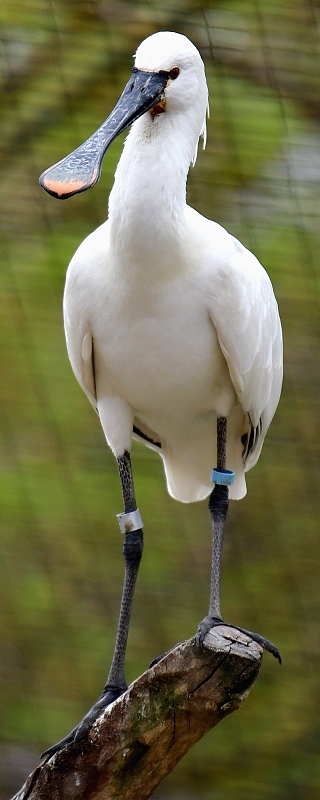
{"x": 172, "y": 327}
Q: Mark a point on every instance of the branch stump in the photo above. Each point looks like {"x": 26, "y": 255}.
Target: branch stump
{"x": 140, "y": 738}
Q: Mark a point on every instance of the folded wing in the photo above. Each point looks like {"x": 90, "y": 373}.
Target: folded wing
{"x": 245, "y": 313}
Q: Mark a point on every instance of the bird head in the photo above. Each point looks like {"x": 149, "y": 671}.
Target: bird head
{"x": 168, "y": 78}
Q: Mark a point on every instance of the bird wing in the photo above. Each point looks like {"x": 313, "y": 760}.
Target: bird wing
{"x": 82, "y": 361}
{"x": 78, "y": 334}
{"x": 245, "y": 313}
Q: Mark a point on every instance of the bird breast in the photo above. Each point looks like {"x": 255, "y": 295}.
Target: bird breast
{"x": 159, "y": 350}
{"x": 154, "y": 343}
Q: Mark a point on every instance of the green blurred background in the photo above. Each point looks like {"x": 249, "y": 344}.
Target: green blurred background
{"x": 63, "y": 65}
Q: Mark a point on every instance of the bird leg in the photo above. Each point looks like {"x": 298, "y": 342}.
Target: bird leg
{"x": 132, "y": 551}
{"x": 218, "y": 507}
{"x": 131, "y": 525}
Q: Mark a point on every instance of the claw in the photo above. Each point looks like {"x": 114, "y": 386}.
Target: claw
{"x": 265, "y": 643}
{"x": 51, "y": 751}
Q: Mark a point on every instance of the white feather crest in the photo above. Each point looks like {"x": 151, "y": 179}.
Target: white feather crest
{"x": 203, "y": 134}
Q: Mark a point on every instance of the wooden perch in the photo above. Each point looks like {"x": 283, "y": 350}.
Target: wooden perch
{"x": 140, "y": 738}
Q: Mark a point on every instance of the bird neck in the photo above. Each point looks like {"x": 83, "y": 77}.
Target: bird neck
{"x": 147, "y": 202}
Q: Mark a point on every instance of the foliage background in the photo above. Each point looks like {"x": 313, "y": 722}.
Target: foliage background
{"x": 63, "y": 65}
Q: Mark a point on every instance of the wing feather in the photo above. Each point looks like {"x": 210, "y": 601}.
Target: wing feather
{"x": 245, "y": 313}
{"x": 79, "y": 338}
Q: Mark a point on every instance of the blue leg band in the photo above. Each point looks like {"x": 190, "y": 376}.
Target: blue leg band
{"x": 225, "y": 478}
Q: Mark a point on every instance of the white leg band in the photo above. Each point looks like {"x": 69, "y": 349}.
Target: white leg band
{"x": 130, "y": 522}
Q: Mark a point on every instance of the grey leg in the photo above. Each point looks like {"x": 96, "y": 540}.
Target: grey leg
{"x": 132, "y": 551}
{"x": 218, "y": 506}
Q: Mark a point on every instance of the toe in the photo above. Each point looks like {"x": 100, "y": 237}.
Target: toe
{"x": 265, "y": 643}
{"x": 59, "y": 745}
{"x": 204, "y": 627}
{"x": 109, "y": 694}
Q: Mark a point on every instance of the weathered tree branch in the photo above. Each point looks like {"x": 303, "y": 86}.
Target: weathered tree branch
{"x": 140, "y": 738}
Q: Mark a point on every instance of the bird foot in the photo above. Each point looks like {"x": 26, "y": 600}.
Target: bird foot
{"x": 159, "y": 658}
{"x": 212, "y": 622}
{"x": 109, "y": 695}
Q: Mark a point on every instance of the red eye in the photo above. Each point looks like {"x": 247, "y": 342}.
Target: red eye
{"x": 174, "y": 72}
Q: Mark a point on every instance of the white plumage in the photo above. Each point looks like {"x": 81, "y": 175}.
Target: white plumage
{"x": 172, "y": 326}
{"x": 169, "y": 320}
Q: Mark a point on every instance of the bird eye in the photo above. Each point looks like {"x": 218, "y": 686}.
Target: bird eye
{"x": 174, "y": 72}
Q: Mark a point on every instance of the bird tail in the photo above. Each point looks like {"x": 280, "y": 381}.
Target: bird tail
{"x": 186, "y": 485}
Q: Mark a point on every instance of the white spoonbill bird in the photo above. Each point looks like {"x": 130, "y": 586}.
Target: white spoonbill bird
{"x": 172, "y": 326}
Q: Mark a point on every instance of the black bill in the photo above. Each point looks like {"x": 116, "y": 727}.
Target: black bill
{"x": 82, "y": 168}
